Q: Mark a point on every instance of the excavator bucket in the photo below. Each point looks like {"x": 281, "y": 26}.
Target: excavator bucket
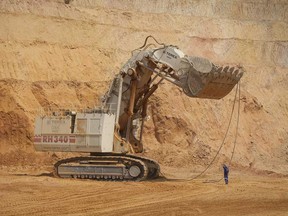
{"x": 202, "y": 79}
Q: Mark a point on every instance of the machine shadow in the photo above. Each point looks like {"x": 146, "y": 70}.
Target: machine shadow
{"x": 35, "y": 175}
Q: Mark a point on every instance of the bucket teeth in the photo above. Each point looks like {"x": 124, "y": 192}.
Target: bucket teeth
{"x": 240, "y": 74}
{"x": 225, "y": 69}
{"x": 215, "y": 84}
{"x": 235, "y": 73}
{"x": 219, "y": 69}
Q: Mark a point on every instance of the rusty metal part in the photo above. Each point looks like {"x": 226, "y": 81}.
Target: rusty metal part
{"x": 124, "y": 118}
{"x": 202, "y": 79}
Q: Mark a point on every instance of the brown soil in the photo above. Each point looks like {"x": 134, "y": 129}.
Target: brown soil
{"x": 26, "y": 192}
{"x": 63, "y": 56}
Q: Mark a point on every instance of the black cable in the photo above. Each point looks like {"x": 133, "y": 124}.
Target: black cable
{"x": 237, "y": 126}
{"x": 146, "y": 39}
{"x": 224, "y": 139}
{"x": 236, "y": 136}
{"x": 222, "y": 144}
{"x": 145, "y": 42}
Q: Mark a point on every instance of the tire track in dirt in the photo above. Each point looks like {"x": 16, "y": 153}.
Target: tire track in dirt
{"x": 84, "y": 199}
{"x": 43, "y": 195}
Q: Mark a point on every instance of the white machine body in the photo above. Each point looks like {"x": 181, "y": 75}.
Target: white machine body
{"x": 93, "y": 132}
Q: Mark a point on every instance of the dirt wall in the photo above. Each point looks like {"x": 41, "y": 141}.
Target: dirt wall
{"x": 56, "y": 55}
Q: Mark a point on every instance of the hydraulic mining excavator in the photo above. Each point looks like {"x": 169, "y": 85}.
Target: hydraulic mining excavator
{"x": 112, "y": 133}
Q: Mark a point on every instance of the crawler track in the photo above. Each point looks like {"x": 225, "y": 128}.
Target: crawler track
{"x": 114, "y": 167}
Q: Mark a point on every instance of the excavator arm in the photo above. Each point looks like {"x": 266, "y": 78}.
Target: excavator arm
{"x": 147, "y": 68}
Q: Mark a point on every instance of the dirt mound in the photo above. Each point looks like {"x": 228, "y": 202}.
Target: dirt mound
{"x": 59, "y": 56}
{"x": 23, "y": 100}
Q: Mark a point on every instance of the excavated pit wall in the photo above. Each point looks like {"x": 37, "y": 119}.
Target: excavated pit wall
{"x": 55, "y": 55}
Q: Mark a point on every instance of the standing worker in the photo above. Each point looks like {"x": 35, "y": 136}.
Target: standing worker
{"x": 226, "y": 172}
